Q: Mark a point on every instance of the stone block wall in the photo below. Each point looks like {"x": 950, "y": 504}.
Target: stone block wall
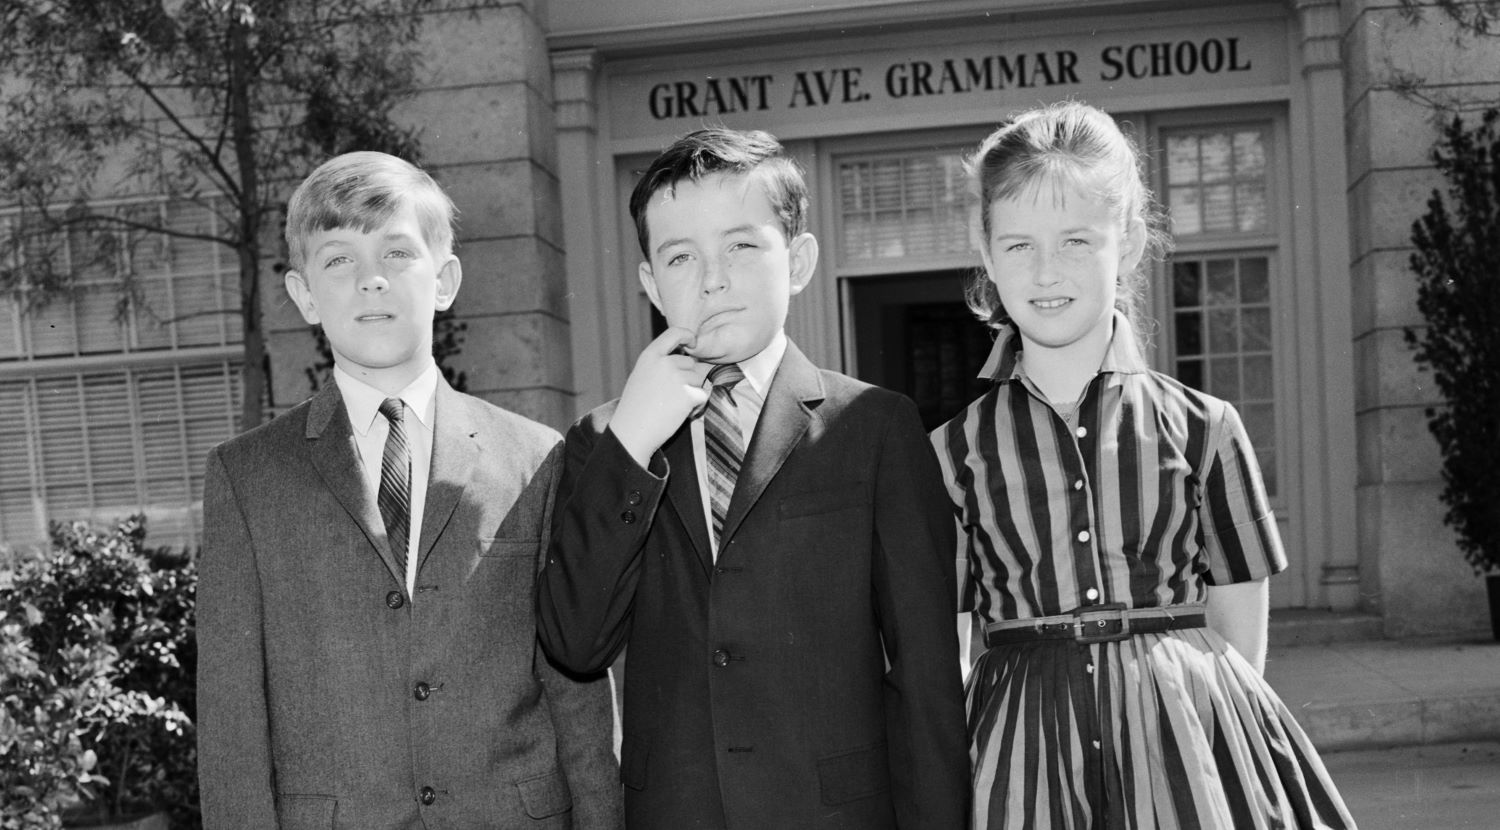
{"x": 1411, "y": 569}
{"x": 488, "y": 135}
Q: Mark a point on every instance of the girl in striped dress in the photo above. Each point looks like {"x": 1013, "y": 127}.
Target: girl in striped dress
{"x": 1118, "y": 534}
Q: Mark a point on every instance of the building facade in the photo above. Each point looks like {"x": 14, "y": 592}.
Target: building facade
{"x": 1290, "y": 165}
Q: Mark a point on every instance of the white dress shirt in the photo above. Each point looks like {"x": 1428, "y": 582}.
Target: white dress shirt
{"x": 362, "y": 402}
{"x": 749, "y": 397}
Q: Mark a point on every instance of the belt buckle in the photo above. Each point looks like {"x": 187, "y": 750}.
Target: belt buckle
{"x": 1092, "y": 624}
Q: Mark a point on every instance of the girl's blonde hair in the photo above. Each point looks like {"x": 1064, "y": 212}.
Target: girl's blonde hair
{"x": 1064, "y": 144}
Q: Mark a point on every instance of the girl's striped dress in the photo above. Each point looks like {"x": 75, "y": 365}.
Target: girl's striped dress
{"x": 1148, "y": 494}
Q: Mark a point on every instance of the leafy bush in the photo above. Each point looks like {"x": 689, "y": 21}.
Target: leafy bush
{"x": 97, "y": 665}
{"x": 1457, "y": 263}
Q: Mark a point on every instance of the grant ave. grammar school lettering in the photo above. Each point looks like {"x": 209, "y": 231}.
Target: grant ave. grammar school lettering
{"x": 899, "y": 80}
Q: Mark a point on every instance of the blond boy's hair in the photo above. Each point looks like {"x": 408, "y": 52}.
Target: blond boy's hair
{"x": 364, "y": 190}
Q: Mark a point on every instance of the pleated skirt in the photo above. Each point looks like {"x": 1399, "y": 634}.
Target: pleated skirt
{"x": 1172, "y": 730}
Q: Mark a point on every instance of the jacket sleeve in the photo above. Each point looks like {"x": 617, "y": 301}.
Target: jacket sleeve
{"x": 583, "y": 717}
{"x": 234, "y": 757}
{"x": 605, "y": 506}
{"x": 915, "y": 583}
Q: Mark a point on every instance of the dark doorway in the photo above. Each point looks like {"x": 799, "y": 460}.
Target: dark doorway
{"x": 913, "y": 334}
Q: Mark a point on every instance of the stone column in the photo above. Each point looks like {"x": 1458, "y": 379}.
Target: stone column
{"x": 489, "y": 137}
{"x": 1410, "y": 566}
{"x": 1327, "y": 385}
{"x": 593, "y": 278}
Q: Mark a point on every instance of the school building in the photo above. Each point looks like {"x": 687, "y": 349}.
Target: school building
{"x": 1290, "y": 164}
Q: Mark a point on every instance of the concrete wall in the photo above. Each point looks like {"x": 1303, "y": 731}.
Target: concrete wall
{"x": 490, "y": 138}
{"x": 1411, "y": 569}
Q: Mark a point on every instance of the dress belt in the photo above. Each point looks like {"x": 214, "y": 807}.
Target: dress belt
{"x": 1095, "y": 624}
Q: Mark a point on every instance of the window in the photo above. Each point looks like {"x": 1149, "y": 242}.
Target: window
{"x": 1222, "y": 322}
{"x": 902, "y": 207}
{"x": 1220, "y": 282}
{"x": 110, "y": 401}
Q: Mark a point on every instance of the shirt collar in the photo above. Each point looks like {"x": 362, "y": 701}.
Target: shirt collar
{"x": 760, "y": 369}
{"x": 1123, "y": 355}
{"x": 362, "y": 401}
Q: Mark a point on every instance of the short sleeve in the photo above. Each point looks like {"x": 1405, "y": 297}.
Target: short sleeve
{"x": 1239, "y": 529}
{"x": 968, "y": 586}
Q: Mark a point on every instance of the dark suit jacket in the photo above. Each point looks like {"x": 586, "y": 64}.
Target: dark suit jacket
{"x": 756, "y": 689}
{"x": 327, "y": 699}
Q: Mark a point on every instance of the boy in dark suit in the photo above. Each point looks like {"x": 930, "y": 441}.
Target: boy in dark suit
{"x": 769, "y": 539}
{"x": 365, "y": 609}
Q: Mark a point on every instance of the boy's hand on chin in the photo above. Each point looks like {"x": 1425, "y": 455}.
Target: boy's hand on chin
{"x": 664, "y": 389}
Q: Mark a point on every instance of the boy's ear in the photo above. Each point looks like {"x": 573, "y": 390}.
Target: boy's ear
{"x": 803, "y": 252}
{"x": 301, "y": 293}
{"x": 449, "y": 277}
{"x": 648, "y": 282}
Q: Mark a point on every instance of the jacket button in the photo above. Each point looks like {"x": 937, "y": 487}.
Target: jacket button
{"x": 721, "y": 658}
{"x": 423, "y": 691}
{"x": 427, "y": 796}
{"x": 394, "y": 600}
{"x": 628, "y": 517}
{"x": 634, "y": 498}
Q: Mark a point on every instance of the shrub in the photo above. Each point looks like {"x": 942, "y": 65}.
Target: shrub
{"x": 1457, "y": 262}
{"x": 98, "y": 680}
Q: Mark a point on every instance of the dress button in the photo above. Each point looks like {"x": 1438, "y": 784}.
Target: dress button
{"x": 394, "y": 600}
{"x": 1083, "y": 535}
{"x": 427, "y": 796}
{"x": 423, "y": 691}
{"x": 1081, "y": 432}
{"x": 1078, "y": 485}
{"x": 634, "y": 498}
{"x": 721, "y": 658}
{"x": 628, "y": 517}
{"x": 1091, "y": 594}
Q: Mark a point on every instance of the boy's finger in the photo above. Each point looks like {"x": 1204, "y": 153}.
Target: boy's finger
{"x": 672, "y": 340}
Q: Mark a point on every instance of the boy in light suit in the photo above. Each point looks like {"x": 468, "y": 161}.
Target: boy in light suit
{"x": 776, "y": 552}
{"x": 365, "y": 609}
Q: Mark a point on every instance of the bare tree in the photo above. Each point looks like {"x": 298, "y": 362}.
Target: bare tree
{"x": 220, "y": 103}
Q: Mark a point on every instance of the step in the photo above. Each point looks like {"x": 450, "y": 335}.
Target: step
{"x": 1318, "y": 626}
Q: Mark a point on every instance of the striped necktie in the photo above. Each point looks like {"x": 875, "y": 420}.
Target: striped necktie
{"x": 394, "y": 498}
{"x": 723, "y": 441}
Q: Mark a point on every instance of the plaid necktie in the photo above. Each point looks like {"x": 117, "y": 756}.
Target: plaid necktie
{"x": 723, "y": 441}
{"x": 394, "y": 498}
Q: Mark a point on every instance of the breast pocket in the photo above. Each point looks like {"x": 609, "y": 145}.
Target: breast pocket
{"x": 515, "y": 562}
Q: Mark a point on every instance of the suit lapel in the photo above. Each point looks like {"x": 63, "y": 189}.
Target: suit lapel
{"x": 455, "y": 454}
{"x": 795, "y": 391}
{"x": 330, "y": 443}
{"x": 684, "y": 495}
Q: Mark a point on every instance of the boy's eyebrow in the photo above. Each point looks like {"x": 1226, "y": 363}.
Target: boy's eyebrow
{"x": 748, "y": 227}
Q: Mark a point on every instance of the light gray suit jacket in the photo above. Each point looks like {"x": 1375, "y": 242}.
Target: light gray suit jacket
{"x": 328, "y": 698}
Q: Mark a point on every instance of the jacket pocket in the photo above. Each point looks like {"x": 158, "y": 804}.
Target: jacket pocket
{"x": 306, "y": 812}
{"x": 858, "y": 773}
{"x": 508, "y": 546}
{"x": 546, "y": 795}
{"x": 823, "y": 501}
{"x": 633, "y": 755}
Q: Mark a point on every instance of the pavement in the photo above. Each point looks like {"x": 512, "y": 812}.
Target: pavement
{"x": 1359, "y": 694}
{"x": 1408, "y": 729}
{"x": 1422, "y": 787}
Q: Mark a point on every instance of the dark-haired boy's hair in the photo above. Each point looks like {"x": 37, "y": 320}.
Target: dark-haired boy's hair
{"x": 721, "y": 150}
